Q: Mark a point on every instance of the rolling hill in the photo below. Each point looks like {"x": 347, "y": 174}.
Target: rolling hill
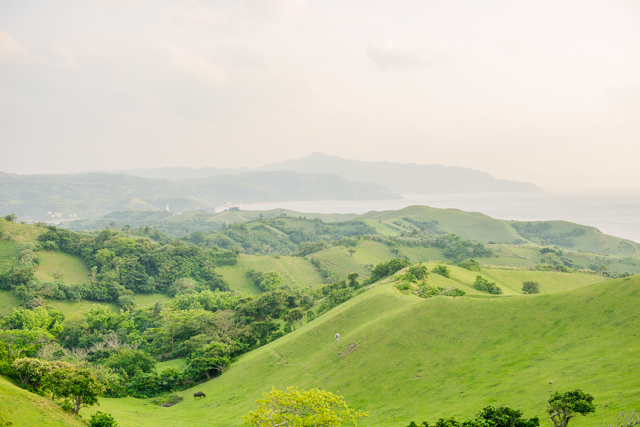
{"x": 403, "y": 358}
{"x": 21, "y": 408}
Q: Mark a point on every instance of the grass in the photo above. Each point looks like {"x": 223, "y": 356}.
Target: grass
{"x": 8, "y": 301}
{"x": 145, "y": 300}
{"x": 402, "y": 358}
{"x": 296, "y": 271}
{"x": 24, "y": 409}
{"x": 76, "y": 309}
{"x": 71, "y": 268}
{"x": 173, "y": 363}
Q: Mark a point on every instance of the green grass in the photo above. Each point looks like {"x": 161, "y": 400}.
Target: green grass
{"x": 8, "y": 301}
{"x": 72, "y": 309}
{"x": 174, "y": 363}
{"x": 71, "y": 268}
{"x": 296, "y": 271}
{"x": 25, "y": 409}
{"x": 144, "y": 300}
{"x": 402, "y": 358}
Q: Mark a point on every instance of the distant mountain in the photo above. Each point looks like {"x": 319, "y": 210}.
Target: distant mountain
{"x": 405, "y": 178}
{"x": 46, "y": 197}
{"x": 173, "y": 172}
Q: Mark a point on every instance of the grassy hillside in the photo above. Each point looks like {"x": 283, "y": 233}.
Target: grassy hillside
{"x": 404, "y": 358}
{"x": 65, "y": 267}
{"x": 297, "y": 272}
{"x": 484, "y": 229}
{"x": 24, "y": 409}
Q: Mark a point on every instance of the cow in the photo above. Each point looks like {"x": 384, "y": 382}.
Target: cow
{"x": 337, "y": 337}
{"x": 198, "y": 394}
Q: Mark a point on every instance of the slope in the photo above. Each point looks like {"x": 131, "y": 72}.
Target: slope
{"x": 403, "y": 358}
{"x": 24, "y": 409}
{"x": 405, "y": 177}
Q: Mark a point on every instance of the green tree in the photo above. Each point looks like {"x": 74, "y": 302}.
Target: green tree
{"x": 11, "y": 217}
{"x": 442, "y": 270}
{"x": 530, "y": 287}
{"x": 131, "y": 361}
{"x": 353, "y": 280}
{"x": 81, "y": 387}
{"x": 300, "y": 408}
{"x": 101, "y": 419}
{"x": 271, "y": 280}
{"x": 295, "y": 315}
{"x": 563, "y": 407}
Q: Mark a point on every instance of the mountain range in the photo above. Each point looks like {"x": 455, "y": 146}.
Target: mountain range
{"x": 398, "y": 177}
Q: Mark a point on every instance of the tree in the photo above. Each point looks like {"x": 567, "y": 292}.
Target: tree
{"x": 100, "y": 419}
{"x": 295, "y": 315}
{"x": 353, "y": 280}
{"x": 131, "y": 361}
{"x": 563, "y": 407}
{"x": 300, "y": 408}
{"x": 530, "y": 287}
{"x": 271, "y": 280}
{"x": 11, "y": 217}
{"x": 442, "y": 270}
{"x": 504, "y": 416}
{"x": 351, "y": 251}
{"x": 81, "y": 387}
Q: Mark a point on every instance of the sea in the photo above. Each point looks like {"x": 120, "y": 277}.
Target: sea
{"x": 613, "y": 212}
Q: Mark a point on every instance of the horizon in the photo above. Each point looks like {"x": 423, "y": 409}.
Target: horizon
{"x": 547, "y": 94}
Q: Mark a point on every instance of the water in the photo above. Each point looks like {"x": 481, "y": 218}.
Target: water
{"x": 614, "y": 213}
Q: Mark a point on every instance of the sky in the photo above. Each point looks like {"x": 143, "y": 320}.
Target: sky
{"x": 546, "y": 91}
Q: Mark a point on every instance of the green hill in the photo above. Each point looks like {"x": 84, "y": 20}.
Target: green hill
{"x": 410, "y": 221}
{"x": 24, "y": 409}
{"x": 402, "y": 358}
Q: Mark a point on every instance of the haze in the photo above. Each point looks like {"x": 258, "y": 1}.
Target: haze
{"x": 546, "y": 92}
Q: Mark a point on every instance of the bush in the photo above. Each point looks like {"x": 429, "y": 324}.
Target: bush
{"x": 484, "y": 285}
{"x": 101, "y": 419}
{"x": 403, "y": 286}
{"x": 530, "y": 287}
{"x": 442, "y": 270}
{"x": 470, "y": 264}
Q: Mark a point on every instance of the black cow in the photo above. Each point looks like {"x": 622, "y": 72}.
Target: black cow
{"x": 198, "y": 394}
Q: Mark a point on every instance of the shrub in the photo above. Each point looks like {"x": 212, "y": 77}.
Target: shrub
{"x": 403, "y": 286}
{"x": 530, "y": 287}
{"x": 470, "y": 264}
{"x": 101, "y": 419}
{"x": 442, "y": 270}
{"x": 419, "y": 271}
{"x": 484, "y": 285}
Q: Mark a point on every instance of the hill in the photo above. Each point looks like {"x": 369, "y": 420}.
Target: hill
{"x": 47, "y": 197}
{"x": 405, "y": 178}
{"x": 399, "y": 177}
{"x": 411, "y": 221}
{"x": 24, "y": 409}
{"x": 402, "y": 358}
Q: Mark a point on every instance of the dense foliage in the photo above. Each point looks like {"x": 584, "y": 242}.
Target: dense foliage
{"x": 120, "y": 267}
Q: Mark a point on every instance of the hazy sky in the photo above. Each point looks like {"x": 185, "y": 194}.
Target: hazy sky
{"x": 540, "y": 91}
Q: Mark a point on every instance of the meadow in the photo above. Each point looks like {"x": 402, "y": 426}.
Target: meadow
{"x": 403, "y": 358}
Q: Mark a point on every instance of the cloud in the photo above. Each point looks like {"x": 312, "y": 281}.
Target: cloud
{"x": 11, "y": 51}
{"x": 65, "y": 54}
{"x": 392, "y": 56}
{"x": 238, "y": 14}
{"x": 196, "y": 67}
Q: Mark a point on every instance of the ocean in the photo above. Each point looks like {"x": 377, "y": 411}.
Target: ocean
{"x": 616, "y": 213}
